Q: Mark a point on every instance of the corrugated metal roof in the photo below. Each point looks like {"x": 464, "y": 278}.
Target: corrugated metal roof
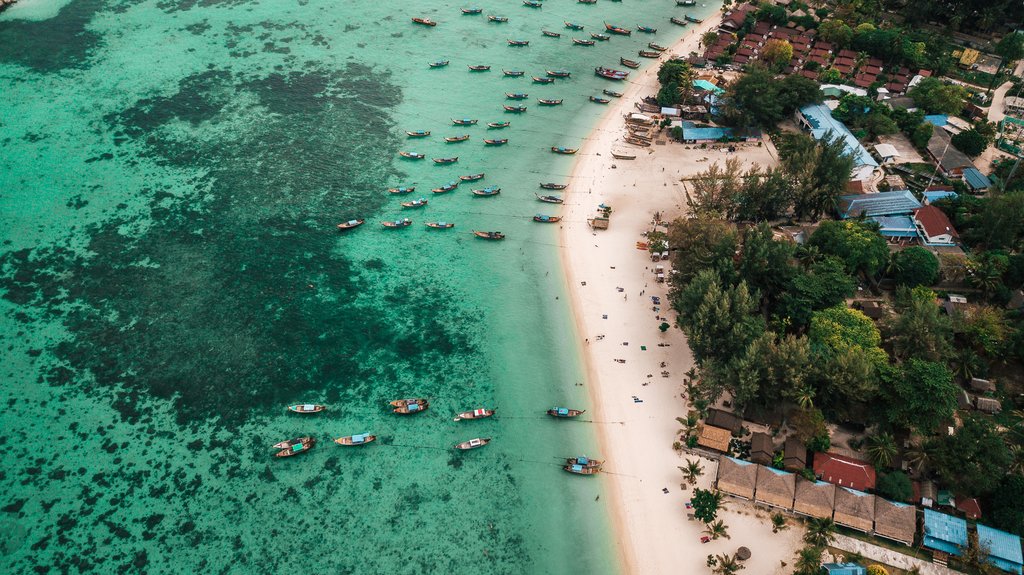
{"x": 881, "y": 204}
{"x": 944, "y": 532}
{"x": 822, "y": 124}
{"x": 976, "y": 180}
{"x": 938, "y": 195}
{"x": 896, "y": 226}
{"x": 1004, "y": 548}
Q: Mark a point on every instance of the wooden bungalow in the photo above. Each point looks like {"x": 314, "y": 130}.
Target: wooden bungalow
{"x": 761, "y": 448}
{"x": 714, "y": 438}
{"x": 794, "y": 454}
{"x": 895, "y": 521}
{"x": 724, "y": 419}
{"x": 774, "y": 487}
{"x": 855, "y": 509}
{"x": 737, "y": 477}
{"x": 814, "y": 498}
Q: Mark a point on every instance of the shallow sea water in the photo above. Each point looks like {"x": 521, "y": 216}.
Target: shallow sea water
{"x": 170, "y": 279}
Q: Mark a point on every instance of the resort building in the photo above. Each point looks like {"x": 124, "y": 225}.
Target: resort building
{"x": 1004, "y": 548}
{"x": 976, "y": 181}
{"x": 895, "y": 521}
{"x": 843, "y": 569}
{"x": 775, "y": 488}
{"x": 900, "y": 203}
{"x": 887, "y": 152}
{"x": 934, "y": 227}
{"x": 761, "y": 449}
{"x": 737, "y": 477}
{"x": 817, "y": 119}
{"x": 714, "y": 438}
{"x": 855, "y": 509}
{"x": 725, "y": 420}
{"x": 951, "y": 161}
{"x": 794, "y": 454}
{"x": 944, "y": 533}
{"x": 814, "y": 498}
{"x": 844, "y": 471}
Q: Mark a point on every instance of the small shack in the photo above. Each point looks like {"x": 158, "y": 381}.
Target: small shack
{"x": 714, "y": 438}
{"x": 814, "y": 498}
{"x": 794, "y": 454}
{"x": 988, "y": 405}
{"x": 982, "y": 385}
{"x": 725, "y": 420}
{"x": 761, "y": 448}
{"x": 895, "y": 521}
{"x": 737, "y": 477}
{"x": 775, "y": 488}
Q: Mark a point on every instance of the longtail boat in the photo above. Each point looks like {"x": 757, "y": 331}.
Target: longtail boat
{"x": 518, "y": 42}
{"x": 424, "y": 21}
{"x": 489, "y": 235}
{"x": 360, "y": 439}
{"x": 446, "y": 160}
{"x": 649, "y": 54}
{"x": 647, "y": 29}
{"x": 629, "y": 63}
{"x": 294, "y": 446}
{"x": 678, "y": 21}
{"x": 440, "y": 225}
{"x": 686, "y": 2}
{"x": 446, "y": 188}
{"x": 586, "y": 1}
{"x": 558, "y": 73}
{"x": 597, "y": 100}
{"x": 496, "y": 142}
{"x": 513, "y": 73}
{"x": 551, "y": 34}
{"x": 415, "y": 203}
{"x": 579, "y": 42}
{"x": 573, "y": 25}
{"x": 623, "y": 155}
{"x": 408, "y": 406}
{"x": 541, "y": 218}
{"x": 498, "y": 125}
{"x": 601, "y": 37}
{"x": 418, "y": 133}
{"x": 498, "y": 18}
{"x": 472, "y": 177}
{"x": 565, "y": 412}
{"x": 351, "y": 224}
{"x": 464, "y": 122}
{"x": 566, "y": 151}
{"x": 544, "y": 102}
{"x": 617, "y": 30}
{"x": 515, "y": 109}
{"x": 472, "y": 11}
{"x": 412, "y": 155}
{"x": 407, "y": 190}
{"x": 539, "y": 80}
{"x": 475, "y": 414}
{"x": 552, "y": 186}
{"x": 533, "y": 3}
{"x": 584, "y": 461}
{"x": 692, "y": 19}
{"x": 549, "y": 199}
{"x": 473, "y": 443}
{"x": 488, "y": 191}
{"x": 612, "y": 93}
{"x": 479, "y": 68}
{"x": 611, "y": 73}
{"x": 306, "y": 408}
{"x": 656, "y": 47}
{"x": 404, "y": 223}
{"x": 438, "y": 64}
{"x": 580, "y": 470}
{"x": 516, "y": 95}
{"x": 454, "y": 139}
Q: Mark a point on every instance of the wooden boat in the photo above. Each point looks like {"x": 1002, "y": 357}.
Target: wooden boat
{"x": 629, "y": 63}
{"x": 565, "y": 412}
{"x": 489, "y": 235}
{"x": 415, "y": 203}
{"x": 407, "y": 190}
{"x": 637, "y": 141}
{"x": 488, "y": 191}
{"x": 348, "y": 226}
{"x": 539, "y": 80}
{"x": 472, "y": 177}
{"x": 579, "y": 42}
{"x": 497, "y": 142}
{"x": 612, "y": 94}
{"x": 584, "y": 461}
{"x": 418, "y": 133}
{"x": 552, "y": 186}
{"x": 692, "y": 19}
{"x": 359, "y": 439}
{"x": 294, "y": 446}
{"x": 513, "y": 73}
{"x": 617, "y": 30}
{"x": 549, "y": 199}
{"x": 479, "y": 68}
{"x": 533, "y": 4}
{"x": 515, "y": 109}
{"x": 601, "y": 37}
{"x": 306, "y": 407}
{"x": 398, "y": 223}
{"x": 686, "y": 2}
{"x": 580, "y": 470}
{"x": 586, "y": 1}
{"x": 541, "y": 218}
{"x": 438, "y": 64}
{"x": 544, "y": 102}
{"x": 464, "y": 122}
{"x": 656, "y": 47}
{"x": 678, "y": 21}
{"x": 646, "y": 29}
{"x": 440, "y": 225}
{"x": 573, "y": 25}
{"x": 473, "y": 443}
{"x": 446, "y": 160}
{"x": 498, "y": 125}
{"x": 454, "y": 139}
{"x": 409, "y": 406}
{"x": 472, "y": 11}
{"x": 597, "y": 100}
{"x": 649, "y": 54}
{"x": 623, "y": 155}
{"x": 558, "y": 73}
{"x": 518, "y": 42}
{"x": 446, "y": 188}
{"x": 566, "y": 151}
{"x": 498, "y": 18}
{"x": 475, "y": 414}
{"x": 424, "y": 21}
{"x": 412, "y": 155}
{"x": 551, "y": 34}
{"x": 516, "y": 96}
{"x": 611, "y": 73}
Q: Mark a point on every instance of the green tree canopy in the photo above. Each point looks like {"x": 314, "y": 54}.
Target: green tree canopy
{"x": 757, "y": 98}
{"x": 1011, "y": 47}
{"x": 919, "y": 395}
{"x": 973, "y": 460}
{"x": 824, "y": 284}
{"x": 836, "y": 32}
{"x": 765, "y": 263}
{"x": 1006, "y": 504}
{"x": 857, "y": 243}
{"x": 706, "y": 504}
{"x": 818, "y": 172}
{"x": 914, "y": 266}
{"x": 920, "y": 330}
{"x": 722, "y": 323}
{"x": 699, "y": 244}
{"x": 896, "y": 486}
{"x": 777, "y": 53}
{"x": 840, "y": 328}
{"x": 970, "y": 142}
{"x": 939, "y": 98}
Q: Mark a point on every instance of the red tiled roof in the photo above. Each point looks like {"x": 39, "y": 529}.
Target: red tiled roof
{"x": 843, "y": 68}
{"x": 823, "y": 45}
{"x": 818, "y": 59}
{"x": 819, "y": 52}
{"x": 895, "y": 87}
{"x": 924, "y": 73}
{"x": 762, "y": 27}
{"x": 809, "y": 74}
{"x": 749, "y": 45}
{"x": 970, "y": 507}
{"x": 863, "y": 80}
{"x": 845, "y": 471}
{"x": 740, "y": 59}
{"x": 845, "y": 61}
{"x": 871, "y": 69}
{"x": 934, "y": 221}
{"x": 744, "y": 51}
{"x": 875, "y": 62}
{"x": 847, "y": 54}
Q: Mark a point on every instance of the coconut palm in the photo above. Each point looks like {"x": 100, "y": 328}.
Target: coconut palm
{"x": 808, "y": 255}
{"x": 692, "y": 471}
{"x": 717, "y": 529}
{"x": 804, "y": 396}
{"x": 808, "y": 562}
{"x": 726, "y": 565}
{"x": 779, "y": 522}
{"x": 1017, "y": 463}
{"x": 820, "y": 532}
{"x": 918, "y": 458}
{"x": 882, "y": 449}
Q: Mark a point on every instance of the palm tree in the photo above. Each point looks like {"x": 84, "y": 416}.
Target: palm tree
{"x": 882, "y": 449}
{"x": 917, "y": 457}
{"x": 779, "y": 522}
{"x": 689, "y": 424}
{"x": 692, "y": 471}
{"x": 685, "y": 79}
{"x": 820, "y": 532}
{"x": 966, "y": 364}
{"x": 808, "y": 255}
{"x": 726, "y": 565}
{"x": 804, "y": 396}
{"x": 1017, "y": 464}
{"x": 717, "y": 529}
{"x": 809, "y": 561}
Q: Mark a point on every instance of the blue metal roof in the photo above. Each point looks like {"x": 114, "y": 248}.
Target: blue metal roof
{"x": 880, "y": 204}
{"x": 944, "y": 532}
{"x": 976, "y": 180}
{"x": 705, "y": 85}
{"x": 823, "y": 125}
{"x": 1003, "y": 548}
{"x": 844, "y": 569}
{"x": 692, "y": 132}
{"x": 896, "y": 226}
{"x": 938, "y": 195}
{"x": 937, "y": 120}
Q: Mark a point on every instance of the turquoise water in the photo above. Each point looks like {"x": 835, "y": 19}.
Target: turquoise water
{"x": 170, "y": 279}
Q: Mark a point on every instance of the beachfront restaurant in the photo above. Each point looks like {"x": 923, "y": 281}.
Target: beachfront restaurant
{"x": 814, "y": 498}
{"x": 737, "y": 477}
{"x": 1003, "y": 548}
{"x": 944, "y": 533}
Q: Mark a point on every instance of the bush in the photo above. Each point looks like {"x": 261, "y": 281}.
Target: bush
{"x": 896, "y": 486}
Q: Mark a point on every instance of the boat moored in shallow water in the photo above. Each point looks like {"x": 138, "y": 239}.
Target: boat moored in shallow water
{"x": 464, "y": 122}
{"x": 454, "y": 139}
{"x": 489, "y": 235}
{"x": 566, "y": 151}
{"x": 409, "y": 406}
{"x": 558, "y": 73}
{"x": 406, "y": 190}
{"x": 473, "y": 443}
{"x": 611, "y": 73}
{"x": 549, "y": 199}
{"x": 475, "y": 414}
{"x": 294, "y": 446}
{"x": 488, "y": 191}
{"x": 543, "y": 219}
{"x": 307, "y": 407}
{"x": 440, "y": 225}
{"x": 550, "y": 34}
{"x": 544, "y": 102}
{"x": 565, "y": 412}
{"x": 540, "y": 80}
{"x": 438, "y": 64}
{"x": 424, "y": 21}
{"x": 415, "y": 203}
{"x": 498, "y": 125}
{"x": 496, "y": 142}
{"x": 629, "y": 63}
{"x": 579, "y": 42}
{"x": 403, "y": 223}
{"x": 446, "y": 188}
{"x": 412, "y": 155}
{"x": 472, "y": 177}
{"x": 513, "y": 73}
{"x": 346, "y": 226}
{"x": 472, "y": 11}
{"x": 678, "y": 21}
{"x": 584, "y": 461}
{"x": 553, "y": 186}
{"x": 617, "y": 30}
{"x": 446, "y": 160}
{"x": 581, "y": 470}
{"x": 573, "y": 25}
{"x": 418, "y": 133}
{"x": 359, "y": 439}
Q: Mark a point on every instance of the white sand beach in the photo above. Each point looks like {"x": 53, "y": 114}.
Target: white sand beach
{"x": 612, "y": 283}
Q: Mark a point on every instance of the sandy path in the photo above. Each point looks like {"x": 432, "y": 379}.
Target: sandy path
{"x": 607, "y": 275}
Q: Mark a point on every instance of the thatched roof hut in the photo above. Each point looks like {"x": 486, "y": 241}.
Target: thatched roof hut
{"x": 795, "y": 457}
{"x": 761, "y": 448}
{"x": 715, "y": 438}
{"x": 895, "y": 521}
{"x": 814, "y": 498}
{"x": 774, "y": 487}
{"x": 855, "y": 509}
{"x": 737, "y": 477}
